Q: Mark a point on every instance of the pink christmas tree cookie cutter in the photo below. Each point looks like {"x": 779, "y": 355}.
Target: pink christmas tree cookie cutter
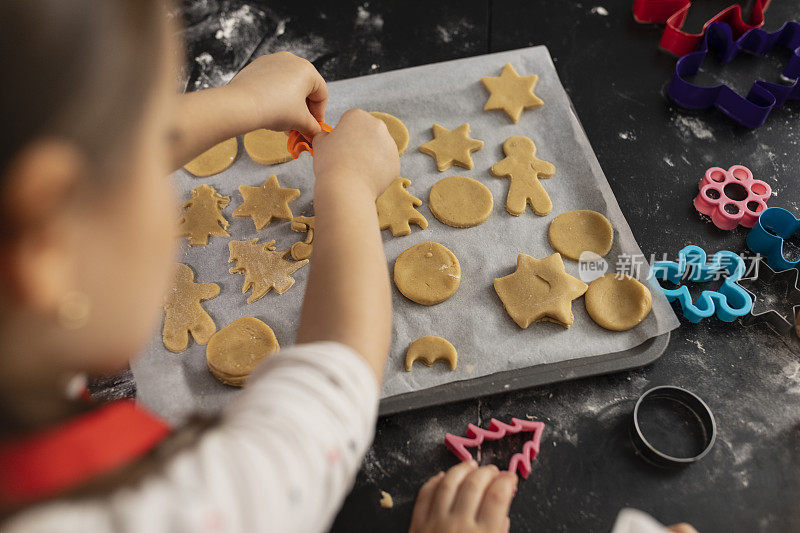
{"x": 497, "y": 430}
{"x": 732, "y": 197}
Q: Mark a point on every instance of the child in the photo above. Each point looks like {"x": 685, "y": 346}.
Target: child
{"x": 92, "y": 127}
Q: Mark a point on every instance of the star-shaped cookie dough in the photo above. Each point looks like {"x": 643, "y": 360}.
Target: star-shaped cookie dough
{"x": 511, "y": 92}
{"x": 451, "y": 147}
{"x": 267, "y": 202}
{"x": 539, "y": 290}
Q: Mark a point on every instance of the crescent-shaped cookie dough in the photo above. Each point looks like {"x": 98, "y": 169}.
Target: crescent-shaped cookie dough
{"x": 460, "y": 202}
{"x": 236, "y": 350}
{"x": 575, "y": 232}
{"x": 267, "y": 147}
{"x": 427, "y": 273}
{"x": 215, "y": 159}
{"x": 396, "y": 128}
{"x": 430, "y": 349}
{"x": 618, "y": 302}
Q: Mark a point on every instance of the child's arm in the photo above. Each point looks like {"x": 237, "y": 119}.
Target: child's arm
{"x": 278, "y": 92}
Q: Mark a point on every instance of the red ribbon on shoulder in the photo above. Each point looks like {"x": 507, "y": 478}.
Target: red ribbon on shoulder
{"x": 54, "y": 460}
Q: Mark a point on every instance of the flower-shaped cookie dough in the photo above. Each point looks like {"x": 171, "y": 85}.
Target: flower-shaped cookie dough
{"x": 732, "y": 197}
{"x": 729, "y": 302}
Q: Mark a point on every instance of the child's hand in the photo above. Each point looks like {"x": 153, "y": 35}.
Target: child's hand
{"x": 358, "y": 150}
{"x": 284, "y": 92}
{"x": 467, "y": 499}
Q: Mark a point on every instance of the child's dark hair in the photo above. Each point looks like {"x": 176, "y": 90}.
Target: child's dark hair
{"x": 77, "y": 70}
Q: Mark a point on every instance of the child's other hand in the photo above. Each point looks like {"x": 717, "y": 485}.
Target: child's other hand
{"x": 359, "y": 150}
{"x": 466, "y": 499}
{"x": 284, "y": 91}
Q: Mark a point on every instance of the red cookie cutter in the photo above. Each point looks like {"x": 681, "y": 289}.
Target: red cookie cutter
{"x": 674, "y": 12}
{"x": 732, "y": 197}
{"x": 497, "y": 430}
{"x": 298, "y": 142}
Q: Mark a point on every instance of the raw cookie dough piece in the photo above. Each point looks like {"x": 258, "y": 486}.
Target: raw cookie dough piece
{"x": 183, "y": 313}
{"x": 618, "y": 302}
{"x": 386, "y": 500}
{"x": 236, "y": 350}
{"x": 460, "y": 202}
{"x": 267, "y": 147}
{"x": 396, "y": 128}
{"x": 575, "y": 232}
{"x": 396, "y": 209}
{"x": 203, "y": 216}
{"x": 511, "y": 92}
{"x": 302, "y": 250}
{"x": 427, "y": 273}
{"x": 430, "y": 349}
{"x": 263, "y": 268}
{"x": 266, "y": 202}
{"x": 523, "y": 170}
{"x": 215, "y": 159}
{"x": 451, "y": 147}
{"x": 539, "y": 290}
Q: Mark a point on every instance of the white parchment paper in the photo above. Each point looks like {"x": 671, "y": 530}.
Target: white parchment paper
{"x": 474, "y": 319}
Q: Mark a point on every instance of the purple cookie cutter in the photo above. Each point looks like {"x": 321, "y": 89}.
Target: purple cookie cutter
{"x": 753, "y": 110}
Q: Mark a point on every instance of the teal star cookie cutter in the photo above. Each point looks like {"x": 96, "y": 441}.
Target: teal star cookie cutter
{"x": 729, "y": 302}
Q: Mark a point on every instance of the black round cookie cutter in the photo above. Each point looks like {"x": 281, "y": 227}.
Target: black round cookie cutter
{"x": 694, "y": 414}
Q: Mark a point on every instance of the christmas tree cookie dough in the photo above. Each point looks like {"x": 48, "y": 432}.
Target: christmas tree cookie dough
{"x": 575, "y": 232}
{"x": 215, "y": 159}
{"x": 523, "y": 171}
{"x": 618, "y": 302}
{"x": 451, "y": 147}
{"x": 396, "y": 209}
{"x": 267, "y": 147}
{"x": 460, "y": 202}
{"x": 302, "y": 250}
{"x": 183, "y": 313}
{"x": 430, "y": 349}
{"x": 203, "y": 217}
{"x": 396, "y": 128}
{"x": 427, "y": 273}
{"x": 511, "y": 92}
{"x": 236, "y": 350}
{"x": 265, "y": 203}
{"x": 264, "y": 268}
{"x": 539, "y": 290}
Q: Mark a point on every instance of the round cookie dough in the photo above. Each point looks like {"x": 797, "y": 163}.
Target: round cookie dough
{"x": 575, "y": 232}
{"x": 430, "y": 349}
{"x": 618, "y": 302}
{"x": 215, "y": 159}
{"x": 235, "y": 350}
{"x": 267, "y": 147}
{"x": 427, "y": 273}
{"x": 460, "y": 202}
{"x": 396, "y": 128}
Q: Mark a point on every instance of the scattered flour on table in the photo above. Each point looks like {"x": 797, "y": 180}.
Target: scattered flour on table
{"x": 698, "y": 344}
{"x": 211, "y": 74}
{"x": 627, "y": 135}
{"x": 693, "y": 126}
{"x": 453, "y": 31}
{"x": 668, "y": 161}
{"x": 599, "y": 10}
{"x": 366, "y": 19}
{"x": 230, "y": 22}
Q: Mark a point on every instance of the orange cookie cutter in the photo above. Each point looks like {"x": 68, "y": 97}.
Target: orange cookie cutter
{"x": 298, "y": 142}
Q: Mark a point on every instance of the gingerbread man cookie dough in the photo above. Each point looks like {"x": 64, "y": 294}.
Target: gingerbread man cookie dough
{"x": 396, "y": 128}
{"x": 302, "y": 250}
{"x": 539, "y": 290}
{"x": 183, "y": 313}
{"x": 618, "y": 302}
{"x": 237, "y": 349}
{"x": 215, "y": 159}
{"x": 396, "y": 209}
{"x": 430, "y": 349}
{"x": 511, "y": 92}
{"x": 202, "y": 216}
{"x": 265, "y": 203}
{"x": 575, "y": 232}
{"x": 427, "y": 273}
{"x": 263, "y": 267}
{"x": 267, "y": 147}
{"x": 451, "y": 147}
{"x": 460, "y": 202}
{"x": 523, "y": 171}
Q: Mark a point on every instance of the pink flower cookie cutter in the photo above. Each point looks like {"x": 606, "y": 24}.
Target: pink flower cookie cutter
{"x": 732, "y": 197}
{"x": 497, "y": 430}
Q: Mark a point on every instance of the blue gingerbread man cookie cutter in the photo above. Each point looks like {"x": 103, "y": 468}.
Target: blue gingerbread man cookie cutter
{"x": 753, "y": 110}
{"x": 729, "y": 302}
{"x": 774, "y": 227}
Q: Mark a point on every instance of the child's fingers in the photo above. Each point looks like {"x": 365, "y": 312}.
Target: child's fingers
{"x": 497, "y": 500}
{"x": 682, "y": 528}
{"x": 470, "y": 493}
{"x": 309, "y": 125}
{"x": 449, "y": 485}
{"x": 423, "y": 505}
{"x": 317, "y": 99}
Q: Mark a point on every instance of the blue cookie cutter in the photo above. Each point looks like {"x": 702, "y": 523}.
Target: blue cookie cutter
{"x": 774, "y": 226}
{"x": 752, "y": 111}
{"x": 729, "y": 302}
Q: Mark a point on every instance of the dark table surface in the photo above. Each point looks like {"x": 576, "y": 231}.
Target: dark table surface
{"x": 653, "y": 155}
